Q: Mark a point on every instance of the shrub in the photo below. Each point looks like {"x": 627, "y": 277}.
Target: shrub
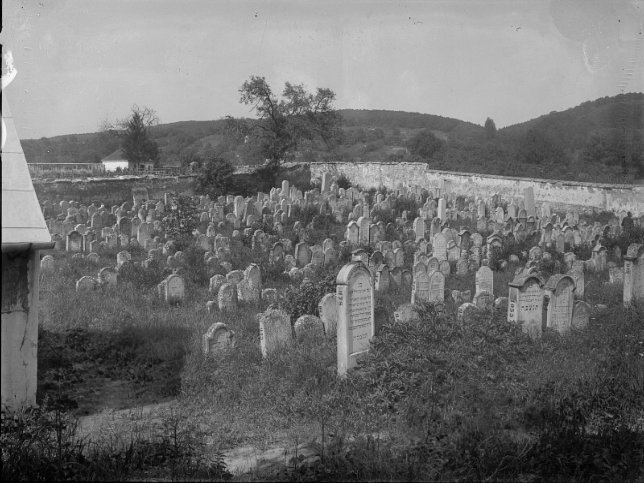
{"x": 343, "y": 181}
{"x": 303, "y": 300}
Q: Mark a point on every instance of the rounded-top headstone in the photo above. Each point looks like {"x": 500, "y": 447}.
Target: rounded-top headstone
{"x": 308, "y": 326}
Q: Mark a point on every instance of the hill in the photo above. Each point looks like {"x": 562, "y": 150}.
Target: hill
{"x": 598, "y": 140}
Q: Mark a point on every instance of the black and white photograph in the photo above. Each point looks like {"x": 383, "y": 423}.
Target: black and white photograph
{"x": 308, "y": 240}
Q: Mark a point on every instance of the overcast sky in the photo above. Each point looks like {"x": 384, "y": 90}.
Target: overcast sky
{"x": 83, "y": 61}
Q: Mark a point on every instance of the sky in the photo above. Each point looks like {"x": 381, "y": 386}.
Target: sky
{"x": 82, "y": 62}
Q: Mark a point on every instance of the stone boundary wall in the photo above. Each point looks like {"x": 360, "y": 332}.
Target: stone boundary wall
{"x": 111, "y": 190}
{"x": 560, "y": 194}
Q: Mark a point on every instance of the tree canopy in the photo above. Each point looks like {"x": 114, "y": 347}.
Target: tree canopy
{"x": 134, "y": 133}
{"x": 215, "y": 179}
{"x": 490, "y": 128}
{"x": 424, "y": 144}
{"x": 285, "y": 123}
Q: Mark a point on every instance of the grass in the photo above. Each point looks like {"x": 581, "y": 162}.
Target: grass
{"x": 433, "y": 399}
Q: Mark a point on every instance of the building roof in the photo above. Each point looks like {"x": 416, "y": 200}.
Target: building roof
{"x": 115, "y": 156}
{"x": 23, "y": 224}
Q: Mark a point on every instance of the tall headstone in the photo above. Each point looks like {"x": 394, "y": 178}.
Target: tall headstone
{"x": 528, "y": 198}
{"x": 355, "y": 300}
{"x": 442, "y": 205}
{"x": 560, "y": 289}
{"x": 420, "y": 289}
{"x": 440, "y": 247}
{"x": 485, "y": 280}
{"x": 525, "y": 304}
{"x": 437, "y": 287}
{"x": 634, "y": 274}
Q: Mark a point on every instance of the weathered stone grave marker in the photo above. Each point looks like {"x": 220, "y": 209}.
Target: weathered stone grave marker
{"x": 355, "y": 300}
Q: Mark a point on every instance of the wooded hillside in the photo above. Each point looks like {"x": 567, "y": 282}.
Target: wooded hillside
{"x": 598, "y": 141}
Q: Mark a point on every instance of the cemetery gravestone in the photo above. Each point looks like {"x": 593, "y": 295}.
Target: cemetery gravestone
{"x": 580, "y": 315}
{"x": 174, "y": 289}
{"x": 634, "y": 273}
{"x": 355, "y": 301}
{"x": 274, "y": 330}
{"x": 484, "y": 280}
{"x": 560, "y": 289}
{"x": 525, "y": 303}
{"x": 227, "y": 297}
{"x": 437, "y": 287}
{"x": 328, "y": 310}
{"x": 308, "y": 326}
{"x": 218, "y": 338}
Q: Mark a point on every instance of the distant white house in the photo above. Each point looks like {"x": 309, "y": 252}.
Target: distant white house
{"x": 114, "y": 161}
{"x": 117, "y": 160}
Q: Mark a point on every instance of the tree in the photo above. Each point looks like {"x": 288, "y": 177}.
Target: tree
{"x": 134, "y": 133}
{"x": 136, "y": 143}
{"x": 424, "y": 144}
{"x": 215, "y": 179}
{"x": 181, "y": 220}
{"x": 490, "y": 128}
{"x": 299, "y": 116}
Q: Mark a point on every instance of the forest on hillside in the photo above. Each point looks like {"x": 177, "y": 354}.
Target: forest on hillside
{"x": 597, "y": 141}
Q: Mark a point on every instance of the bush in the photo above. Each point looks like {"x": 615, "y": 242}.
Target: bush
{"x": 215, "y": 179}
{"x": 304, "y": 300}
{"x": 343, "y": 181}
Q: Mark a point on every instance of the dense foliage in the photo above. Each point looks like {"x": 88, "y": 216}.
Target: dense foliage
{"x": 136, "y": 142}
{"x": 298, "y": 117}
{"x": 215, "y": 178}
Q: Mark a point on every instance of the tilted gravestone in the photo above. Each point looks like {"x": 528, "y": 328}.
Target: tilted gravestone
{"x": 216, "y": 281}
{"x": 86, "y": 283}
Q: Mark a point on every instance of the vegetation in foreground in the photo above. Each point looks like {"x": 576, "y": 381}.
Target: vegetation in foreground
{"x": 433, "y": 400}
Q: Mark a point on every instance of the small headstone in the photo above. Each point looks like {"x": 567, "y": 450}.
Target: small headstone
{"x": 174, "y": 289}
{"x": 328, "y": 310}
{"x": 580, "y": 315}
{"x": 86, "y": 283}
{"x": 308, "y": 326}
{"x": 274, "y": 330}
{"x": 406, "y": 313}
{"x": 227, "y": 297}
{"x": 218, "y": 338}
{"x": 466, "y": 312}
